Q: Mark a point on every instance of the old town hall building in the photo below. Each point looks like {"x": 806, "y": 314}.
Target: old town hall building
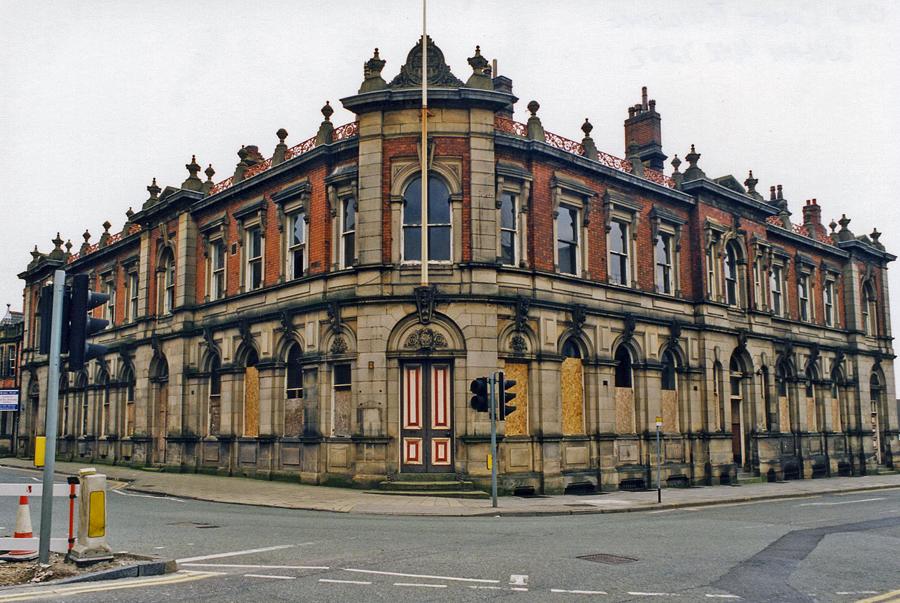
{"x": 273, "y": 323}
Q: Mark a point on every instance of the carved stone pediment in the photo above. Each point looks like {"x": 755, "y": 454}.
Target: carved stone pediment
{"x": 439, "y": 73}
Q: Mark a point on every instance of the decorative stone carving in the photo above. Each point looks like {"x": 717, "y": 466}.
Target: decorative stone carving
{"x": 287, "y": 323}
{"x": 438, "y": 74}
{"x": 742, "y": 337}
{"x": 674, "y": 331}
{"x": 628, "y": 327}
{"x": 426, "y": 297}
{"x": 522, "y": 305}
{"x": 518, "y": 344}
{"x": 339, "y": 346}
{"x": 208, "y": 340}
{"x": 425, "y": 339}
{"x": 244, "y": 330}
{"x": 334, "y": 316}
{"x": 372, "y": 79}
{"x": 578, "y": 318}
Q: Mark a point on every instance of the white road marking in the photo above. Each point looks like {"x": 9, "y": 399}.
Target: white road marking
{"x": 421, "y": 585}
{"x": 519, "y": 589}
{"x": 402, "y": 575}
{"x": 723, "y": 596}
{"x": 159, "y": 547}
{"x": 343, "y": 581}
{"x": 846, "y": 502}
{"x": 270, "y": 576}
{"x": 518, "y": 579}
{"x": 36, "y": 479}
{"x": 856, "y": 592}
{"x": 640, "y": 594}
{"x": 236, "y": 553}
{"x": 486, "y": 587}
{"x": 170, "y": 498}
{"x": 253, "y": 566}
{"x": 578, "y": 592}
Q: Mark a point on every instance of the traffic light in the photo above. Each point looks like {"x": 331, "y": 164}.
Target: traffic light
{"x": 45, "y": 308}
{"x": 505, "y": 397}
{"x": 480, "y": 400}
{"x": 82, "y": 325}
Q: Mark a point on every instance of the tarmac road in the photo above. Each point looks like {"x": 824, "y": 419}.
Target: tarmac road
{"x": 823, "y": 548}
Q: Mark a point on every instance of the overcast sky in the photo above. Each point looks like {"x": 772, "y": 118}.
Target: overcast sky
{"x": 97, "y": 98}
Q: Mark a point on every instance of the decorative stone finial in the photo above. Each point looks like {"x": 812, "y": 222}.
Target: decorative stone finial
{"x": 280, "y": 148}
{"x": 693, "y": 172}
{"x": 676, "y": 163}
{"x": 57, "y": 242}
{"x": 632, "y": 154}
{"x": 751, "y": 183}
{"x": 677, "y": 176}
{"x": 325, "y": 135}
{"x": 590, "y": 149}
{"x": 210, "y": 172}
{"x": 832, "y": 225}
{"x": 104, "y": 238}
{"x": 69, "y": 248}
{"x": 875, "y": 236}
{"x": 372, "y": 79}
{"x": 154, "y": 191}
{"x": 193, "y": 182}
{"x": 481, "y": 72}
{"x": 535, "y": 128}
{"x": 129, "y": 214}
{"x": 35, "y": 254}
{"x": 86, "y": 245}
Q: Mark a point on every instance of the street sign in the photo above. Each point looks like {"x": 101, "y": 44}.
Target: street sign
{"x": 9, "y": 399}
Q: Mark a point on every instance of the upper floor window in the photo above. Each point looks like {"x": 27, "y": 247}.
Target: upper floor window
{"x": 297, "y": 256}
{"x": 775, "y": 285}
{"x": 11, "y": 361}
{"x": 348, "y": 231}
{"x": 508, "y": 229}
{"x": 167, "y": 282}
{"x": 438, "y": 221}
{"x": 567, "y": 226}
{"x": 869, "y": 310}
{"x": 669, "y": 380}
{"x": 664, "y": 263}
{"x": 132, "y": 288}
{"x": 109, "y": 311}
{"x": 618, "y": 252}
{"x": 731, "y": 275}
{"x": 623, "y": 367}
{"x": 218, "y": 254}
{"x": 803, "y": 296}
{"x": 828, "y": 295}
{"x": 254, "y": 273}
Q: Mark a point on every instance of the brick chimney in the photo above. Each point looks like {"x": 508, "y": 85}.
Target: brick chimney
{"x": 812, "y": 218}
{"x": 643, "y": 130}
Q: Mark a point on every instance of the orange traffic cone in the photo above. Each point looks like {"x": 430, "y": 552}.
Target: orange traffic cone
{"x": 23, "y": 530}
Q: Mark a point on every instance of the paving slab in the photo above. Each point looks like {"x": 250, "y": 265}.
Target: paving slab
{"x": 246, "y": 491}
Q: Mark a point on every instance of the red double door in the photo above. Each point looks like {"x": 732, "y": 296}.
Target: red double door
{"x": 426, "y": 417}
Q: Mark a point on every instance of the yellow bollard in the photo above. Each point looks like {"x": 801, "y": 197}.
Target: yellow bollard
{"x": 40, "y": 448}
{"x": 90, "y": 544}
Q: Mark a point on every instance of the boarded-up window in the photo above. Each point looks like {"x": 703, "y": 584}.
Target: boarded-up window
{"x": 293, "y": 394}
{"x": 572, "y": 389}
{"x": 517, "y": 422}
{"x": 669, "y": 393}
{"x": 215, "y": 396}
{"x": 836, "y": 423}
{"x": 310, "y": 402}
{"x": 251, "y": 402}
{"x": 625, "y": 422}
{"x": 341, "y": 400}
{"x": 811, "y": 423}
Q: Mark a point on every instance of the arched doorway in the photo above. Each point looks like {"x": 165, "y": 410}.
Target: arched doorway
{"x": 739, "y": 369}
{"x": 159, "y": 379}
{"x": 251, "y": 394}
{"x": 876, "y": 395}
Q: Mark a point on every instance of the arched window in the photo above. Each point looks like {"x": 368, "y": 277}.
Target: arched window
{"x": 215, "y": 395}
{"x": 103, "y": 399}
{"x": 623, "y": 367}
{"x": 781, "y": 378}
{"x": 571, "y": 349}
{"x": 869, "y": 310}
{"x": 128, "y": 380}
{"x": 251, "y": 358}
{"x": 82, "y": 394}
{"x": 669, "y": 380}
{"x": 719, "y": 395}
{"x": 294, "y": 381}
{"x": 736, "y": 373}
{"x": 732, "y": 287}
{"x": 166, "y": 281}
{"x": 438, "y": 221}
{"x": 771, "y": 407}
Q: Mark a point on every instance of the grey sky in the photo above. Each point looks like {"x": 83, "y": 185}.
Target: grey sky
{"x": 96, "y": 98}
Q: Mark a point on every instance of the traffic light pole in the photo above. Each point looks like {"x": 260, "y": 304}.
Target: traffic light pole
{"x": 493, "y": 389}
{"x": 50, "y": 429}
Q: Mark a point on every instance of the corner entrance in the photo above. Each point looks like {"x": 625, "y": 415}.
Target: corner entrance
{"x": 426, "y": 423}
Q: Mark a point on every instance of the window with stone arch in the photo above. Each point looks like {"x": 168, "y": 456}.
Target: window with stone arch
{"x": 438, "y": 222}
{"x": 127, "y": 380}
{"x": 165, "y": 281}
{"x": 869, "y": 310}
{"x": 214, "y": 403}
{"x": 102, "y": 396}
{"x": 876, "y": 396}
{"x": 783, "y": 376}
{"x": 768, "y": 400}
{"x": 626, "y": 421}
{"x": 815, "y": 407}
{"x": 571, "y": 385}
{"x": 293, "y": 392}
{"x": 731, "y": 271}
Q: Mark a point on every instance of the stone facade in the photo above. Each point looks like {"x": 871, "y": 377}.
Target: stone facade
{"x": 11, "y": 330}
{"x": 274, "y": 324}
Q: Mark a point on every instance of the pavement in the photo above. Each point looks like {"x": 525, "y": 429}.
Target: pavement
{"x": 245, "y": 491}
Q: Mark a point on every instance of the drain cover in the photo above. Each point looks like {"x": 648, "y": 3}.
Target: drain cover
{"x": 607, "y": 558}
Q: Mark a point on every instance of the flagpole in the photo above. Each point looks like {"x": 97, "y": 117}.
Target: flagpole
{"x": 423, "y": 155}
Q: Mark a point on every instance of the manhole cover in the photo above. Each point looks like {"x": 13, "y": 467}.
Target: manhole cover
{"x": 607, "y": 558}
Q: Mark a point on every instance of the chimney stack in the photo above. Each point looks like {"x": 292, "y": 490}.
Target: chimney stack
{"x": 812, "y": 218}
{"x": 643, "y": 128}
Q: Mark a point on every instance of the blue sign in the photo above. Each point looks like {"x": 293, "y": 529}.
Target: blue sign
{"x": 9, "y": 399}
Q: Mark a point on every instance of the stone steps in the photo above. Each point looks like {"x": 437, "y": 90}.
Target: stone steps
{"x": 430, "y": 484}
{"x": 479, "y": 494}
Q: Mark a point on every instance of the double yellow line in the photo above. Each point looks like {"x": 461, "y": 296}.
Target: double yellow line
{"x": 891, "y": 597}
{"x": 94, "y": 587}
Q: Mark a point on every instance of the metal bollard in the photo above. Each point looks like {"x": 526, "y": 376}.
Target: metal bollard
{"x": 90, "y": 544}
